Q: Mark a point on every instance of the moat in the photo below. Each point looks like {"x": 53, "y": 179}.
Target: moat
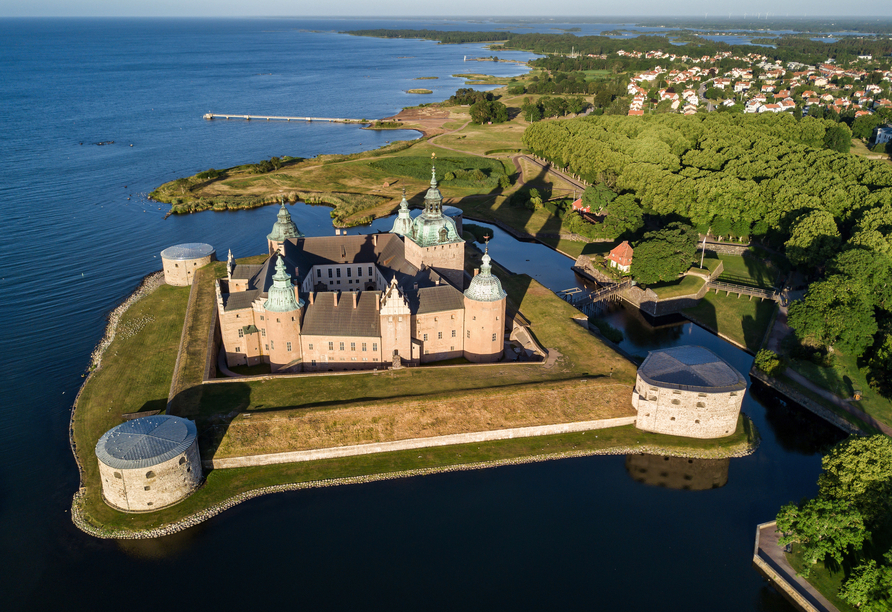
{"x": 534, "y": 536}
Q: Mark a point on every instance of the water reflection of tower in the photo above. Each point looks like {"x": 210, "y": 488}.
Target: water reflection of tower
{"x": 678, "y": 472}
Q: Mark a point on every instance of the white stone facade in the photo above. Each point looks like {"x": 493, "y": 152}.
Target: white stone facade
{"x": 689, "y": 413}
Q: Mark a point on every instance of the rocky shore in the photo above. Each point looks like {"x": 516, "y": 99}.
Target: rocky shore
{"x": 739, "y": 450}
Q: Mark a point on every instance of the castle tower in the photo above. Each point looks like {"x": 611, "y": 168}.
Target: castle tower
{"x": 403, "y": 223}
{"x": 485, "y": 302}
{"x": 396, "y": 325}
{"x": 282, "y": 319}
{"x": 283, "y": 229}
{"x": 434, "y": 241}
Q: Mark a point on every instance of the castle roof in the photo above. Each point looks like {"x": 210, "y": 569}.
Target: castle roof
{"x": 189, "y": 250}
{"x": 484, "y": 286}
{"x": 281, "y": 294}
{"x": 145, "y": 442}
{"x": 402, "y": 225}
{"x": 432, "y": 227}
{"x": 332, "y": 314}
{"x": 284, "y": 226}
{"x": 690, "y": 368}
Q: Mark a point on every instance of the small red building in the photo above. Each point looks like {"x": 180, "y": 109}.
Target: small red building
{"x": 577, "y": 206}
{"x": 621, "y": 256}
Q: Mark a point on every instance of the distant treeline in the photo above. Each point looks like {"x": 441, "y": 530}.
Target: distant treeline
{"x": 803, "y": 24}
{"x": 452, "y": 38}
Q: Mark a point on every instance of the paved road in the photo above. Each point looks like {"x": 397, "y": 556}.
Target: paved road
{"x": 772, "y": 553}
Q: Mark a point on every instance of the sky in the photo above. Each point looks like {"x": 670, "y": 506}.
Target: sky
{"x": 416, "y": 8}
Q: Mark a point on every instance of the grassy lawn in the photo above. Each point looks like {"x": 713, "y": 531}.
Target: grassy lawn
{"x": 742, "y": 320}
{"x": 684, "y": 286}
{"x": 842, "y": 379}
{"x": 746, "y": 270}
{"x": 822, "y": 578}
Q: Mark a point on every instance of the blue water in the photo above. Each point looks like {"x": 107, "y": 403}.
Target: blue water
{"x": 78, "y": 234}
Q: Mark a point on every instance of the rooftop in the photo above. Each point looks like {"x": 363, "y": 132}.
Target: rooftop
{"x": 189, "y": 250}
{"x": 145, "y": 441}
{"x": 690, "y": 368}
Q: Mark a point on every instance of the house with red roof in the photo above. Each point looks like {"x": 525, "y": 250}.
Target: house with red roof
{"x": 621, "y": 256}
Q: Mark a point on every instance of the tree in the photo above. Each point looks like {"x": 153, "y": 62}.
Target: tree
{"x": 624, "y": 215}
{"x": 485, "y": 111}
{"x": 838, "y": 138}
{"x": 864, "y": 126}
{"x": 868, "y": 587}
{"x": 822, "y": 528}
{"x": 833, "y": 314}
{"x": 597, "y": 197}
{"x": 858, "y": 473}
{"x": 769, "y": 362}
{"x": 664, "y": 254}
{"x": 879, "y": 366}
{"x": 814, "y": 239}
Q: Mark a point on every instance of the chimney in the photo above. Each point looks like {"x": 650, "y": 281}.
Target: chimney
{"x": 337, "y": 231}
{"x": 374, "y": 239}
{"x": 311, "y": 297}
{"x": 335, "y": 295}
{"x": 438, "y": 282}
{"x": 377, "y": 301}
{"x": 355, "y": 293}
{"x": 476, "y": 271}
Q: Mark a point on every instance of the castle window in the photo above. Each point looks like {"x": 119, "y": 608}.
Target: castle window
{"x": 701, "y": 395}
{"x": 676, "y": 402}
{"x": 329, "y": 273}
{"x": 150, "y": 474}
{"x": 697, "y": 421}
{"x": 493, "y": 337}
{"x": 353, "y": 359}
{"x": 439, "y": 335}
{"x": 182, "y": 460}
{"x": 676, "y": 393}
{"x": 331, "y": 346}
{"x": 374, "y": 346}
{"x": 148, "y": 503}
{"x": 473, "y": 318}
{"x": 701, "y": 405}
{"x": 453, "y": 333}
{"x": 266, "y": 347}
{"x": 425, "y": 337}
{"x": 313, "y": 362}
{"x": 277, "y": 320}
{"x": 288, "y": 346}
{"x": 352, "y": 346}
{"x": 348, "y": 273}
{"x": 370, "y": 270}
{"x": 261, "y": 317}
{"x": 263, "y": 332}
{"x": 310, "y": 347}
{"x": 400, "y": 319}
{"x": 672, "y": 419}
{"x": 497, "y": 318}
{"x": 363, "y": 346}
{"x": 238, "y": 349}
{"x": 176, "y": 265}
{"x": 147, "y": 488}
{"x": 118, "y": 475}
{"x": 318, "y": 272}
{"x": 451, "y": 316}
{"x": 365, "y": 358}
{"x": 341, "y": 346}
{"x": 469, "y": 333}
{"x": 358, "y": 271}
{"x": 241, "y": 333}
{"x": 734, "y": 394}
{"x": 652, "y": 398}
{"x": 339, "y": 273}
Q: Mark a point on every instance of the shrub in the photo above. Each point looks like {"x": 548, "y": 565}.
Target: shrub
{"x": 769, "y": 362}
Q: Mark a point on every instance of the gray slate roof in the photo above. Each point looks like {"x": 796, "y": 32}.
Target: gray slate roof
{"x": 324, "y": 318}
{"x": 690, "y": 368}
{"x": 189, "y": 250}
{"x": 145, "y": 442}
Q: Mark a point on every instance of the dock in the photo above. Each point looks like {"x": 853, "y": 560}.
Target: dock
{"x": 212, "y": 116}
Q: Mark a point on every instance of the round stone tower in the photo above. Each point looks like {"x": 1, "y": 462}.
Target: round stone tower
{"x": 485, "y": 302}
{"x": 149, "y": 463}
{"x": 283, "y": 229}
{"x": 180, "y": 262}
{"x": 283, "y": 317}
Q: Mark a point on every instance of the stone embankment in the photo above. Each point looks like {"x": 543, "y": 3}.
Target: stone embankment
{"x": 739, "y": 450}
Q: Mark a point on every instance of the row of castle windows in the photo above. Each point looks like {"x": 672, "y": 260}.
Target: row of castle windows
{"x": 313, "y": 361}
{"x": 352, "y": 346}
{"x": 349, "y": 272}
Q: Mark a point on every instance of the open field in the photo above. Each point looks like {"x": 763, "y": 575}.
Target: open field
{"x": 750, "y": 271}
{"x": 685, "y": 286}
{"x": 743, "y": 320}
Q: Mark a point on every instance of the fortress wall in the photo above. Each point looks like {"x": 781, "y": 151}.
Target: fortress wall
{"x": 686, "y": 413}
{"x": 179, "y": 272}
{"x": 444, "y": 333}
{"x": 484, "y": 330}
{"x": 351, "y": 357}
{"x": 151, "y": 488}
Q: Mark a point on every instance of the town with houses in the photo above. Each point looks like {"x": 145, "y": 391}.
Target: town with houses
{"x": 763, "y": 87}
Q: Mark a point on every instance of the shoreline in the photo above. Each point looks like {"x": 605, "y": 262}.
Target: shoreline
{"x": 740, "y": 450}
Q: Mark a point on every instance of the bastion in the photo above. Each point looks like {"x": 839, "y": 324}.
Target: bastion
{"x": 149, "y": 463}
{"x": 688, "y": 391}
{"x": 181, "y": 261}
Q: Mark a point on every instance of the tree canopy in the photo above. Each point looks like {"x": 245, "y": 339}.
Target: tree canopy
{"x": 664, "y": 254}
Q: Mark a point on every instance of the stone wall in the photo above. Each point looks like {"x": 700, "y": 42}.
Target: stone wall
{"x": 721, "y": 248}
{"x": 180, "y": 272}
{"x": 686, "y": 413}
{"x": 154, "y": 487}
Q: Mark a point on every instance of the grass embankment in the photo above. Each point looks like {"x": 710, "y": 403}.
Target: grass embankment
{"x": 741, "y": 319}
{"x": 687, "y": 285}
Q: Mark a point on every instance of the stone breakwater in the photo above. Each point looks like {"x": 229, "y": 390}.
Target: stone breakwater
{"x": 148, "y": 284}
{"x": 739, "y": 450}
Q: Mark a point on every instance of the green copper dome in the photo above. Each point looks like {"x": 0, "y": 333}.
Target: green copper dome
{"x": 281, "y": 295}
{"x": 485, "y": 287}
{"x": 403, "y": 223}
{"x": 284, "y": 227}
{"x": 432, "y": 227}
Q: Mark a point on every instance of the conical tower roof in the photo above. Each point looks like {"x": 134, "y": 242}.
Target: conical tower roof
{"x": 485, "y": 287}
{"x": 284, "y": 227}
{"x": 402, "y": 225}
{"x": 281, "y": 295}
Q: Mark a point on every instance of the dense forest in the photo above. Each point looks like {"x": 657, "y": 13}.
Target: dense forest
{"x": 450, "y": 38}
{"x": 772, "y": 177}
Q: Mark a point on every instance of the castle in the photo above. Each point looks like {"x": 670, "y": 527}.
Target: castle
{"x": 341, "y": 302}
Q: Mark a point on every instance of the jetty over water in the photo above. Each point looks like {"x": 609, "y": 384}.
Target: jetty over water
{"x": 211, "y": 116}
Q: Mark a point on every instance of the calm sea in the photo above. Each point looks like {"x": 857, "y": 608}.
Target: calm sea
{"x": 78, "y": 234}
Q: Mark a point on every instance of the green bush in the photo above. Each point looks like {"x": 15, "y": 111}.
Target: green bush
{"x": 769, "y": 362}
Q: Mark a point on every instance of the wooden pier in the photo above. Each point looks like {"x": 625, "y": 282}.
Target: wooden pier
{"x": 594, "y": 302}
{"x": 211, "y": 116}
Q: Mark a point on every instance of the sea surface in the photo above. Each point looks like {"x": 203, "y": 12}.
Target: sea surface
{"x": 78, "y": 234}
